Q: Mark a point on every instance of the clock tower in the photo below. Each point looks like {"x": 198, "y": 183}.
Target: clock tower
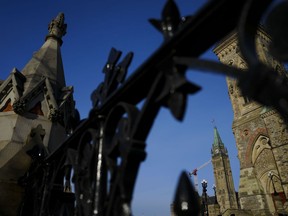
{"x": 225, "y": 191}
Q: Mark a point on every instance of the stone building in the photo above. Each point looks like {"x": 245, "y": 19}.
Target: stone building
{"x": 261, "y": 139}
{"x": 36, "y": 108}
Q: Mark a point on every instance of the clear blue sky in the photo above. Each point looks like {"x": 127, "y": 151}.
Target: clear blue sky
{"x": 94, "y": 26}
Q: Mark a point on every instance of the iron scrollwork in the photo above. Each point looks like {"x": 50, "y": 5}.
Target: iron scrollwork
{"x": 123, "y": 155}
{"x": 85, "y": 169}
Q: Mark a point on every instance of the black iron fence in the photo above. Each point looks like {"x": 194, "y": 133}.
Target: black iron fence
{"x": 103, "y": 153}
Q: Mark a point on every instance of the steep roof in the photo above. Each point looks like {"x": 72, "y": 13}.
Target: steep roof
{"x": 217, "y": 139}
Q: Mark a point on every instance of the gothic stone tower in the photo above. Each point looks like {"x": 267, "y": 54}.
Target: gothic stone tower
{"x": 225, "y": 191}
{"x": 261, "y": 137}
{"x": 35, "y": 110}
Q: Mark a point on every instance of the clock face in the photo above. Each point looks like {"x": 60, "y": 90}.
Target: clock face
{"x": 217, "y": 151}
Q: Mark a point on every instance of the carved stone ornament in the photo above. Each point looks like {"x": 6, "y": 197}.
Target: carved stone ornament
{"x": 19, "y": 106}
{"x": 261, "y": 143}
{"x": 34, "y": 143}
{"x": 55, "y": 115}
{"x": 231, "y": 90}
{"x": 57, "y": 27}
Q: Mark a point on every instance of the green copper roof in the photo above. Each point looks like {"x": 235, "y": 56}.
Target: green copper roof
{"x": 217, "y": 139}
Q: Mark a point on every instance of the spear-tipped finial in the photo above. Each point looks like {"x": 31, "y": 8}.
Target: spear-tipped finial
{"x": 170, "y": 20}
{"x": 57, "y": 27}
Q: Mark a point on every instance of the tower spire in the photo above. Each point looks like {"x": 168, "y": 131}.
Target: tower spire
{"x": 47, "y": 62}
{"x": 217, "y": 139}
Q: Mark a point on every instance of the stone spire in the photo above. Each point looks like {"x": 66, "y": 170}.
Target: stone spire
{"x": 40, "y": 88}
{"x": 47, "y": 62}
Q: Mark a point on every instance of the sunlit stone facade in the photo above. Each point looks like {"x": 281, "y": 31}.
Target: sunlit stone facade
{"x": 261, "y": 137}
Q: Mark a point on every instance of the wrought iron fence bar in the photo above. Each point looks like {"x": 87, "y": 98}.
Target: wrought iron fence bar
{"x": 192, "y": 40}
{"x": 71, "y": 141}
{"x": 213, "y": 22}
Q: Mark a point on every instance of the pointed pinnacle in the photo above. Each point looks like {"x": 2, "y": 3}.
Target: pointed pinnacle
{"x": 57, "y": 27}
